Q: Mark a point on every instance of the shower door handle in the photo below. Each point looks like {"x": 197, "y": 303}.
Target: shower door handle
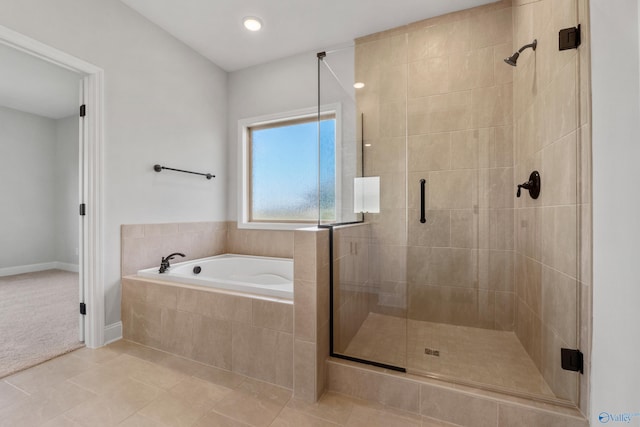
{"x": 423, "y": 218}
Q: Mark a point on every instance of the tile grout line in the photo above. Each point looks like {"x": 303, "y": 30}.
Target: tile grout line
{"x": 312, "y": 415}
{"x": 280, "y": 411}
{"x": 18, "y": 388}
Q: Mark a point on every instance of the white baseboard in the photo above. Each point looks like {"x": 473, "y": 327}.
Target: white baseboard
{"x": 74, "y": 268}
{"x": 112, "y": 332}
{"x": 32, "y": 268}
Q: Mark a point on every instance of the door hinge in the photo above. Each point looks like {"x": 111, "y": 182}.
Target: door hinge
{"x": 83, "y": 308}
{"x": 83, "y": 110}
{"x": 569, "y": 38}
{"x": 83, "y": 209}
{"x": 572, "y": 360}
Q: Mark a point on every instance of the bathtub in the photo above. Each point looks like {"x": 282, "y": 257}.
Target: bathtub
{"x": 265, "y": 276}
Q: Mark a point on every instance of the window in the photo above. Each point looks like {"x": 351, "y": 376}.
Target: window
{"x": 280, "y": 170}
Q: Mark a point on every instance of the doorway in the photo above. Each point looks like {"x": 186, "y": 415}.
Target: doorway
{"x": 41, "y": 167}
{"x": 70, "y": 184}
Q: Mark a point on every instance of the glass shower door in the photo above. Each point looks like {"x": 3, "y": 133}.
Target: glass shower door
{"x": 456, "y": 277}
{"x": 369, "y": 298}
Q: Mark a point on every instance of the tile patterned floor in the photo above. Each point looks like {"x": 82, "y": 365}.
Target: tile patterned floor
{"x": 125, "y": 384}
{"x": 469, "y": 354}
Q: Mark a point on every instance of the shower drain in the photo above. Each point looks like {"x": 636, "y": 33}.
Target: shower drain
{"x": 432, "y": 352}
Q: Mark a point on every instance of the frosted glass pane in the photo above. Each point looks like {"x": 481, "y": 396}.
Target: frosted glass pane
{"x": 327, "y": 175}
{"x": 284, "y": 172}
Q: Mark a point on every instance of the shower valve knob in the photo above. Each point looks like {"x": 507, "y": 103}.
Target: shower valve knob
{"x": 533, "y": 185}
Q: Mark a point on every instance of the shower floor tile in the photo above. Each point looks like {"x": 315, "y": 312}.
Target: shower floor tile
{"x": 468, "y": 354}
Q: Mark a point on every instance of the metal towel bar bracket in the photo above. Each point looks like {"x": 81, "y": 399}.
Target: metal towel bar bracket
{"x": 159, "y": 168}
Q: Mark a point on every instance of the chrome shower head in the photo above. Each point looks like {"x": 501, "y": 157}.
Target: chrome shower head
{"x": 513, "y": 59}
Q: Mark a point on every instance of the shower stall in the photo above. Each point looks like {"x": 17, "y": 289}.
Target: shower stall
{"x": 446, "y": 266}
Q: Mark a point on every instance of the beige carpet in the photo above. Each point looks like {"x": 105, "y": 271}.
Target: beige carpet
{"x": 38, "y": 318}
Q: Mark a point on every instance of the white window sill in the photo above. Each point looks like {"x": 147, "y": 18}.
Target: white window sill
{"x": 276, "y": 225}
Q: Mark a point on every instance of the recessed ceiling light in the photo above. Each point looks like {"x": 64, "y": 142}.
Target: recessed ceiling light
{"x": 367, "y": 145}
{"x": 252, "y": 23}
{"x": 358, "y": 85}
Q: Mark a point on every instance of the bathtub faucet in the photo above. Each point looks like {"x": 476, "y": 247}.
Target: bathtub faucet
{"x": 164, "y": 265}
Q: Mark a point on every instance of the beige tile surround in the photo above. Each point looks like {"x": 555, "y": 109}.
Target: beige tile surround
{"x": 249, "y": 336}
{"x": 144, "y": 245}
{"x": 476, "y": 128}
{"x": 552, "y": 130}
{"x": 353, "y": 290}
{"x": 277, "y": 341}
{"x": 448, "y": 403}
{"x": 311, "y": 312}
{"x": 448, "y": 71}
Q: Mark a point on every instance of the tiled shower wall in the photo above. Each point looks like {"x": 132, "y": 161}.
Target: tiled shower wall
{"x": 437, "y": 106}
{"x": 552, "y": 130}
{"x": 353, "y": 292}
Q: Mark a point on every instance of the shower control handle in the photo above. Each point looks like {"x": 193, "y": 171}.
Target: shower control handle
{"x": 533, "y": 185}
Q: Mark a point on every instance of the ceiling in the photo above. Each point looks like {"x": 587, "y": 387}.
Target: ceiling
{"x": 36, "y": 86}
{"x": 214, "y": 27}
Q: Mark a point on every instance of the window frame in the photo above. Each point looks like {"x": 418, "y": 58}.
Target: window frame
{"x": 244, "y": 162}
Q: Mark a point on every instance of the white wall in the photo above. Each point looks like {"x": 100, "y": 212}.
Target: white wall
{"x": 27, "y": 146}
{"x": 615, "y": 378}
{"x": 39, "y": 172}
{"x": 164, "y": 104}
{"x": 66, "y": 191}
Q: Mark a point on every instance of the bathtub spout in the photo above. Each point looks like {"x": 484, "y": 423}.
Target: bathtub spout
{"x": 164, "y": 264}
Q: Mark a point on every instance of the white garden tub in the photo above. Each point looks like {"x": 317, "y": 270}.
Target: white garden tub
{"x": 242, "y": 273}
